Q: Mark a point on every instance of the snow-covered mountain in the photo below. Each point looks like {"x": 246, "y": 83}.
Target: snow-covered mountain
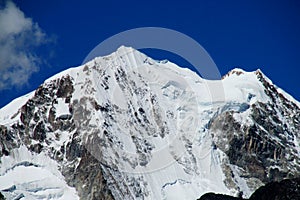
{"x": 125, "y": 126}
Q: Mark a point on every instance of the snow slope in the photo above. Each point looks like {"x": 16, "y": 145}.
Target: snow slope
{"x": 24, "y": 175}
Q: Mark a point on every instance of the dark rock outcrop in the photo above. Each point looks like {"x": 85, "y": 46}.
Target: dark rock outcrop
{"x": 288, "y": 189}
{"x": 1, "y": 196}
{"x": 88, "y": 178}
{"x": 212, "y": 196}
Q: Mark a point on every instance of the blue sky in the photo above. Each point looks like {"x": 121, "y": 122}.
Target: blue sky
{"x": 56, "y": 35}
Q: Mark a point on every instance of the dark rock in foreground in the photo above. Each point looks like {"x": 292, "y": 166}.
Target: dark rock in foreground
{"x": 288, "y": 189}
{"x": 212, "y": 196}
{"x": 285, "y": 190}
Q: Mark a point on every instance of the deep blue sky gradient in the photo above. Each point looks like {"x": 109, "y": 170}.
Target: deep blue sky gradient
{"x": 247, "y": 34}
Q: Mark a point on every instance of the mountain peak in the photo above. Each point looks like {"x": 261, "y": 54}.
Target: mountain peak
{"x": 124, "y": 48}
{"x": 239, "y": 71}
{"x": 235, "y": 71}
{"x": 120, "y": 116}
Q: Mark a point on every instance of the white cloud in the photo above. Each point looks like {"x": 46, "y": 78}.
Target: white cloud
{"x": 19, "y": 35}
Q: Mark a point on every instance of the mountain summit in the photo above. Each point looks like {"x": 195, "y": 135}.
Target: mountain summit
{"x": 125, "y": 126}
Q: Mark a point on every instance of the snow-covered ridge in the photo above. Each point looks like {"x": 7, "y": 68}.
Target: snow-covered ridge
{"x": 138, "y": 59}
{"x": 7, "y": 113}
{"x": 239, "y": 75}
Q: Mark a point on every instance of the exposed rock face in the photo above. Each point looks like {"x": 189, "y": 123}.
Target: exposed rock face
{"x": 88, "y": 179}
{"x": 264, "y": 149}
{"x": 127, "y": 127}
{"x": 38, "y": 121}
